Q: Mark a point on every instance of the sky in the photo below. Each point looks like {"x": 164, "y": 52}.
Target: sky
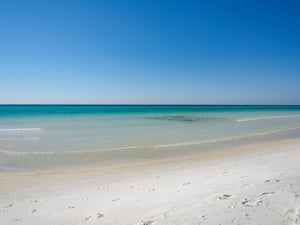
{"x": 149, "y": 52}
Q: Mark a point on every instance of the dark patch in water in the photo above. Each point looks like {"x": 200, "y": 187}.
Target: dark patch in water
{"x": 186, "y": 118}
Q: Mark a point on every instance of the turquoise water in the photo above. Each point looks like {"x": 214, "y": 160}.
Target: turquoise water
{"x": 49, "y": 136}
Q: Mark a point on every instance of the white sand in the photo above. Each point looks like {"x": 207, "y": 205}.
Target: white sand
{"x": 252, "y": 185}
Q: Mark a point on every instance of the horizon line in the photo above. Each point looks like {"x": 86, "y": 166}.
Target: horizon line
{"x": 137, "y": 104}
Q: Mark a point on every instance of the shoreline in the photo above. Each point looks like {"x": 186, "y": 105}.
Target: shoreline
{"x": 252, "y": 184}
{"x": 213, "y": 154}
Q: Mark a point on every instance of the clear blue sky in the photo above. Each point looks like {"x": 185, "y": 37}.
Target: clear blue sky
{"x": 175, "y": 52}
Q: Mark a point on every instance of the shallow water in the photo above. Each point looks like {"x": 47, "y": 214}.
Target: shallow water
{"x": 49, "y": 136}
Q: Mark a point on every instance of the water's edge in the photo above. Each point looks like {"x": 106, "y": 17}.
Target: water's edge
{"x": 51, "y": 137}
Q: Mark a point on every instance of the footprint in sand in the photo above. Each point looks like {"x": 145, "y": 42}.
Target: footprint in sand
{"x": 267, "y": 193}
{"x": 97, "y": 216}
{"x": 225, "y": 196}
{"x": 296, "y": 196}
{"x": 33, "y": 211}
{"x": 147, "y": 222}
{"x": 87, "y": 218}
{"x": 251, "y": 202}
{"x": 8, "y": 206}
{"x": 273, "y": 181}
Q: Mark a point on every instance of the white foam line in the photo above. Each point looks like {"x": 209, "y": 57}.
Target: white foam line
{"x": 225, "y": 138}
{"x": 21, "y": 129}
{"x": 14, "y": 153}
{"x": 266, "y": 118}
{"x": 20, "y": 139}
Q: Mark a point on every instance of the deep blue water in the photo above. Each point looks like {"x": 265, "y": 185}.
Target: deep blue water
{"x": 47, "y": 110}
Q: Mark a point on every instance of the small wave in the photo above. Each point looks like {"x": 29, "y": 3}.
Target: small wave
{"x": 230, "y": 138}
{"x": 20, "y": 139}
{"x": 210, "y": 141}
{"x": 266, "y": 118}
{"x": 21, "y": 129}
{"x": 14, "y": 153}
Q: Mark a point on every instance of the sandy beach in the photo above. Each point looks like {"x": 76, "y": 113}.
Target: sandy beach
{"x": 149, "y": 112}
{"x": 255, "y": 184}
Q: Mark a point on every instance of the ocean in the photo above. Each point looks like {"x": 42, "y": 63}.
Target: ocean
{"x": 65, "y": 136}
